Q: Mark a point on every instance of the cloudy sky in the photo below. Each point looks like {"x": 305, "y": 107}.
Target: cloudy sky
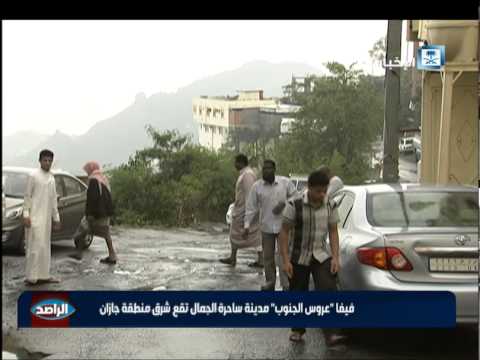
{"x": 68, "y": 75}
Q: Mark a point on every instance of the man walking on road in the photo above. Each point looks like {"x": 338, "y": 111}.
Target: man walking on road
{"x": 268, "y": 198}
{"x": 237, "y": 241}
{"x": 312, "y": 217}
{"x": 40, "y": 207}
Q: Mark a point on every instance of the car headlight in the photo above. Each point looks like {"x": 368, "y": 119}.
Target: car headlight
{"x": 14, "y": 213}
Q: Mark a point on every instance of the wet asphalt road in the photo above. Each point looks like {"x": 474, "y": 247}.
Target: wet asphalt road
{"x": 407, "y": 168}
{"x": 159, "y": 260}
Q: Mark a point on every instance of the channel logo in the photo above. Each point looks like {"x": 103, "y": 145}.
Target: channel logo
{"x": 431, "y": 58}
{"x": 52, "y": 309}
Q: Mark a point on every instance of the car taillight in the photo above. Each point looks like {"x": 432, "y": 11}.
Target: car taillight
{"x": 385, "y": 258}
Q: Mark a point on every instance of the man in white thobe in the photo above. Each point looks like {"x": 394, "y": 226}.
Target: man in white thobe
{"x": 40, "y": 208}
{"x": 244, "y": 183}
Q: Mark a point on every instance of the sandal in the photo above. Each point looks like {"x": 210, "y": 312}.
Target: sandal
{"x": 295, "y": 336}
{"x": 107, "y": 260}
{"x": 228, "y": 261}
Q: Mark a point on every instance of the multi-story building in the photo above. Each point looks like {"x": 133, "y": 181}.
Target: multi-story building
{"x": 450, "y": 112}
{"x": 249, "y": 113}
{"x": 299, "y": 85}
{"x": 215, "y": 114}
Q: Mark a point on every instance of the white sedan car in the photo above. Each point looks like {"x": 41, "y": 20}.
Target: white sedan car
{"x": 300, "y": 183}
{"x": 228, "y": 216}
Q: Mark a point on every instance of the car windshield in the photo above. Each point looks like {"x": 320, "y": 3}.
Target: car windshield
{"x": 302, "y": 184}
{"x": 423, "y": 209}
{"x": 14, "y": 184}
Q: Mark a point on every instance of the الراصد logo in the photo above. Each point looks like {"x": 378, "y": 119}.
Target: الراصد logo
{"x": 52, "y": 309}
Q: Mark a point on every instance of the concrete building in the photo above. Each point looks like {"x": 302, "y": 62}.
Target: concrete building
{"x": 299, "y": 85}
{"x": 450, "y": 118}
{"x": 213, "y": 114}
{"x": 217, "y": 115}
{"x": 260, "y": 124}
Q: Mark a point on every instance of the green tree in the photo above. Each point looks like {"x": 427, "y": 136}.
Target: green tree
{"x": 378, "y": 52}
{"x": 410, "y": 91}
{"x": 173, "y": 183}
{"x": 336, "y": 125}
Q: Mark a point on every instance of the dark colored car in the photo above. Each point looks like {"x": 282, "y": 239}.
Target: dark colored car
{"x": 72, "y": 195}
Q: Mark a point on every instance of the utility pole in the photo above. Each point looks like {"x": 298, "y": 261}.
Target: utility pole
{"x": 392, "y": 103}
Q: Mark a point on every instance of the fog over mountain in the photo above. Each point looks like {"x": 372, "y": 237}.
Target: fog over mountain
{"x": 113, "y": 140}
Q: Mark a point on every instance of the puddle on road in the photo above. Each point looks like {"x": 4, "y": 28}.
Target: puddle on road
{"x": 122, "y": 272}
{"x": 12, "y": 350}
{"x": 149, "y": 288}
{"x": 212, "y": 270}
{"x": 66, "y": 271}
{"x": 159, "y": 288}
{"x": 126, "y": 272}
{"x": 184, "y": 249}
{"x": 21, "y": 354}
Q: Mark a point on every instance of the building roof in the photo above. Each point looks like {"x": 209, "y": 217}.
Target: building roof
{"x": 238, "y": 96}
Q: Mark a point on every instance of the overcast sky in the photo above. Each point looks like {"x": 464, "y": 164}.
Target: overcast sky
{"x": 68, "y": 75}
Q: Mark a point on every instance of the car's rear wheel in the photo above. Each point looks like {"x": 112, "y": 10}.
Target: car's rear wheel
{"x": 84, "y": 243}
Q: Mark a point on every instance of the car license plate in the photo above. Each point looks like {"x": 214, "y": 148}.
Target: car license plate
{"x": 453, "y": 265}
